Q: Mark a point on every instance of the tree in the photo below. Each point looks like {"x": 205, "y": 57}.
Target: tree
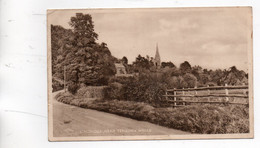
{"x": 204, "y": 79}
{"x": 86, "y": 61}
{"x": 185, "y": 67}
{"x": 104, "y": 45}
{"x": 217, "y": 77}
{"x": 234, "y": 76}
{"x": 60, "y": 41}
{"x": 141, "y": 63}
{"x": 168, "y": 64}
{"x": 83, "y": 29}
{"x": 190, "y": 79}
{"x": 196, "y": 71}
{"x": 125, "y": 60}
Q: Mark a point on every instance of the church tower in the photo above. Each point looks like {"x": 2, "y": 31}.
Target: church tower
{"x": 157, "y": 59}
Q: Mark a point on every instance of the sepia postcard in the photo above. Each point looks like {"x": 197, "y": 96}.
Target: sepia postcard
{"x": 150, "y": 73}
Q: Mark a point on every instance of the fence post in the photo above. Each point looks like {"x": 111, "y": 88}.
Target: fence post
{"x": 244, "y": 90}
{"x": 208, "y": 92}
{"x": 226, "y": 90}
{"x": 166, "y": 94}
{"x": 175, "y": 97}
{"x": 183, "y": 93}
{"x": 195, "y": 94}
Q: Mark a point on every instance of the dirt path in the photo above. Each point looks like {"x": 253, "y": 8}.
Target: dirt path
{"x": 74, "y": 121}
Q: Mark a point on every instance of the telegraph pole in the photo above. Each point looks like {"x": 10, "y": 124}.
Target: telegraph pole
{"x": 65, "y": 78}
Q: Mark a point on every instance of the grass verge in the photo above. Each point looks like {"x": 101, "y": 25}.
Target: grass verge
{"x": 204, "y": 119}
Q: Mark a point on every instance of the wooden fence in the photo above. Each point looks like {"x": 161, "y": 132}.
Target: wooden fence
{"x": 214, "y": 94}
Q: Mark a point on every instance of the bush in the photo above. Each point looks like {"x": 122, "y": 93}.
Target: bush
{"x": 147, "y": 88}
{"x": 190, "y": 79}
{"x": 72, "y": 87}
{"x": 208, "y": 119}
{"x": 56, "y": 86}
{"x": 114, "y": 91}
{"x": 144, "y": 88}
{"x": 204, "y": 119}
{"x": 122, "y": 80}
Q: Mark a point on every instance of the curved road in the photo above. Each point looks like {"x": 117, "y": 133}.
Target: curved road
{"x": 74, "y": 121}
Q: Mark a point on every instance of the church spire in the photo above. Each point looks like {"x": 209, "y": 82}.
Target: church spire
{"x": 157, "y": 59}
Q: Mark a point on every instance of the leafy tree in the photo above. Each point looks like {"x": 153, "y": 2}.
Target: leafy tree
{"x": 141, "y": 63}
{"x": 168, "y": 64}
{"x": 196, "y": 71}
{"x": 86, "y": 61}
{"x": 83, "y": 28}
{"x": 204, "y": 79}
{"x": 217, "y": 77}
{"x": 60, "y": 41}
{"x": 235, "y": 76}
{"x": 185, "y": 67}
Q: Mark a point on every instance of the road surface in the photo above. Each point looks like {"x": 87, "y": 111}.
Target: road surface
{"x": 71, "y": 121}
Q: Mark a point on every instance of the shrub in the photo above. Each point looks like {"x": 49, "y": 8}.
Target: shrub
{"x": 65, "y": 97}
{"x": 204, "y": 119}
{"x": 114, "y": 91}
{"x": 122, "y": 80}
{"x": 72, "y": 87}
{"x": 190, "y": 79}
{"x": 56, "y": 86}
{"x": 147, "y": 88}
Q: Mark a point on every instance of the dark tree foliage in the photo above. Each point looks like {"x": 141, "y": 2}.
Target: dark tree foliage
{"x": 60, "y": 40}
{"x": 168, "y": 64}
{"x": 86, "y": 61}
{"x": 141, "y": 64}
{"x": 196, "y": 71}
{"x": 217, "y": 77}
{"x": 83, "y": 28}
{"x": 185, "y": 67}
{"x": 60, "y": 37}
{"x": 235, "y": 77}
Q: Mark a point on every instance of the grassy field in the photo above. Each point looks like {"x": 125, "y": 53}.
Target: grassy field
{"x": 204, "y": 119}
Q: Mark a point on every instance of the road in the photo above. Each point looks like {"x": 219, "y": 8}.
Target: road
{"x": 71, "y": 121}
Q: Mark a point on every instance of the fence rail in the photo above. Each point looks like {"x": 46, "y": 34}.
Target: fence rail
{"x": 186, "y": 96}
{"x": 210, "y": 95}
{"x": 200, "y": 102}
{"x": 210, "y": 88}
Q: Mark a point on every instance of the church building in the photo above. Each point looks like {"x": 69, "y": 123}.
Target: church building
{"x": 157, "y": 59}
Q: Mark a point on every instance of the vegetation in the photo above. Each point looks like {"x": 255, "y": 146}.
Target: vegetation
{"x": 204, "y": 119}
{"x": 150, "y": 84}
{"x": 86, "y": 61}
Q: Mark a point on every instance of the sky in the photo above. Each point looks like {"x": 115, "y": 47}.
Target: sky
{"x": 210, "y": 37}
